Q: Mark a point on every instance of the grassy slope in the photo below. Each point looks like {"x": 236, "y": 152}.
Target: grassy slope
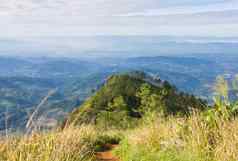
{"x": 177, "y": 139}
{"x": 170, "y": 139}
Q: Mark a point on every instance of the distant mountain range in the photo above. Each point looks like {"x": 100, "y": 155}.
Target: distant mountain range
{"x": 121, "y": 46}
{"x": 25, "y": 81}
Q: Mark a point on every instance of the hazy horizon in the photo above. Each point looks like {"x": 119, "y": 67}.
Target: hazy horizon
{"x": 68, "y": 28}
{"x": 114, "y": 46}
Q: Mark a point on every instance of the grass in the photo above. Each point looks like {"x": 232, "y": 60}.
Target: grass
{"x": 71, "y": 144}
{"x": 180, "y": 139}
{"x": 68, "y": 145}
{"x": 163, "y": 139}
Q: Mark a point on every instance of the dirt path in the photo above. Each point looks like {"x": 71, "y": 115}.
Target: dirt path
{"x": 107, "y": 154}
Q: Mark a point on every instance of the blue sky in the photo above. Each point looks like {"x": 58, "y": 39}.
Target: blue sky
{"x": 49, "y": 18}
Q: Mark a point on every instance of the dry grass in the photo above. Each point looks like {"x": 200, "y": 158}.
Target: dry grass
{"x": 166, "y": 139}
{"x": 176, "y": 139}
{"x": 69, "y": 145}
{"x": 227, "y": 141}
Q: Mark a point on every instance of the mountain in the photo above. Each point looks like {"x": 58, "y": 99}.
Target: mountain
{"x": 130, "y": 96}
{"x": 46, "y": 67}
{"x": 24, "y": 82}
{"x": 19, "y": 97}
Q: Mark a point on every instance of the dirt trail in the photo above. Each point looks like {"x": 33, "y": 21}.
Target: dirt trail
{"x": 107, "y": 155}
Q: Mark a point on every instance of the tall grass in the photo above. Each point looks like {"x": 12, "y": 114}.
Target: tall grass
{"x": 180, "y": 139}
{"x": 68, "y": 145}
{"x": 164, "y": 139}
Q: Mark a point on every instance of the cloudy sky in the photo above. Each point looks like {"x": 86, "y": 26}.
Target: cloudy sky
{"x": 68, "y": 27}
{"x": 50, "y": 18}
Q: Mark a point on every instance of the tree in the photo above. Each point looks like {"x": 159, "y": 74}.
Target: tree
{"x": 150, "y": 101}
{"x": 117, "y": 104}
{"x": 115, "y": 115}
{"x": 144, "y": 94}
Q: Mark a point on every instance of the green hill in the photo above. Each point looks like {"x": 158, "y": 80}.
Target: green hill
{"x": 127, "y": 97}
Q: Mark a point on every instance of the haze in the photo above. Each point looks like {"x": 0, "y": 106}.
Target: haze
{"x": 56, "y": 27}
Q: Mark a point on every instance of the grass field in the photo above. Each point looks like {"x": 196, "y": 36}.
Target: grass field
{"x": 165, "y": 139}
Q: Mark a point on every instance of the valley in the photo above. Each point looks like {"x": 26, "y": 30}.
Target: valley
{"x": 24, "y": 82}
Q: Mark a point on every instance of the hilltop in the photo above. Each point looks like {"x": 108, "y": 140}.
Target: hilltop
{"x": 125, "y": 98}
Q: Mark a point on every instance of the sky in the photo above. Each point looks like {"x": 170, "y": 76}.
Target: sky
{"x": 43, "y": 20}
{"x": 31, "y": 18}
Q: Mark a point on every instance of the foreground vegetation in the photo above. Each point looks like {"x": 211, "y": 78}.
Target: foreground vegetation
{"x": 176, "y": 139}
{"x": 71, "y": 144}
{"x": 164, "y": 139}
{"x": 207, "y": 135}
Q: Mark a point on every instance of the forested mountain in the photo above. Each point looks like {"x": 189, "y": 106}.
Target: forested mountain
{"x": 130, "y": 96}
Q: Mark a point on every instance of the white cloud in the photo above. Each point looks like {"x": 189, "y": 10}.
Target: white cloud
{"x": 29, "y": 18}
{"x": 40, "y": 26}
{"x": 220, "y": 7}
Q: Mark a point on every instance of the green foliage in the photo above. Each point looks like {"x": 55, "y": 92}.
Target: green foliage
{"x": 223, "y": 108}
{"x": 125, "y": 150}
{"x": 112, "y": 120}
{"x": 108, "y": 119}
{"x": 141, "y": 153}
{"x": 117, "y": 104}
{"x": 101, "y": 142}
{"x": 150, "y": 101}
{"x": 124, "y": 99}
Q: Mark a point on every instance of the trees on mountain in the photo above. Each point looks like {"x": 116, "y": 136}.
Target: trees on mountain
{"x": 126, "y": 98}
